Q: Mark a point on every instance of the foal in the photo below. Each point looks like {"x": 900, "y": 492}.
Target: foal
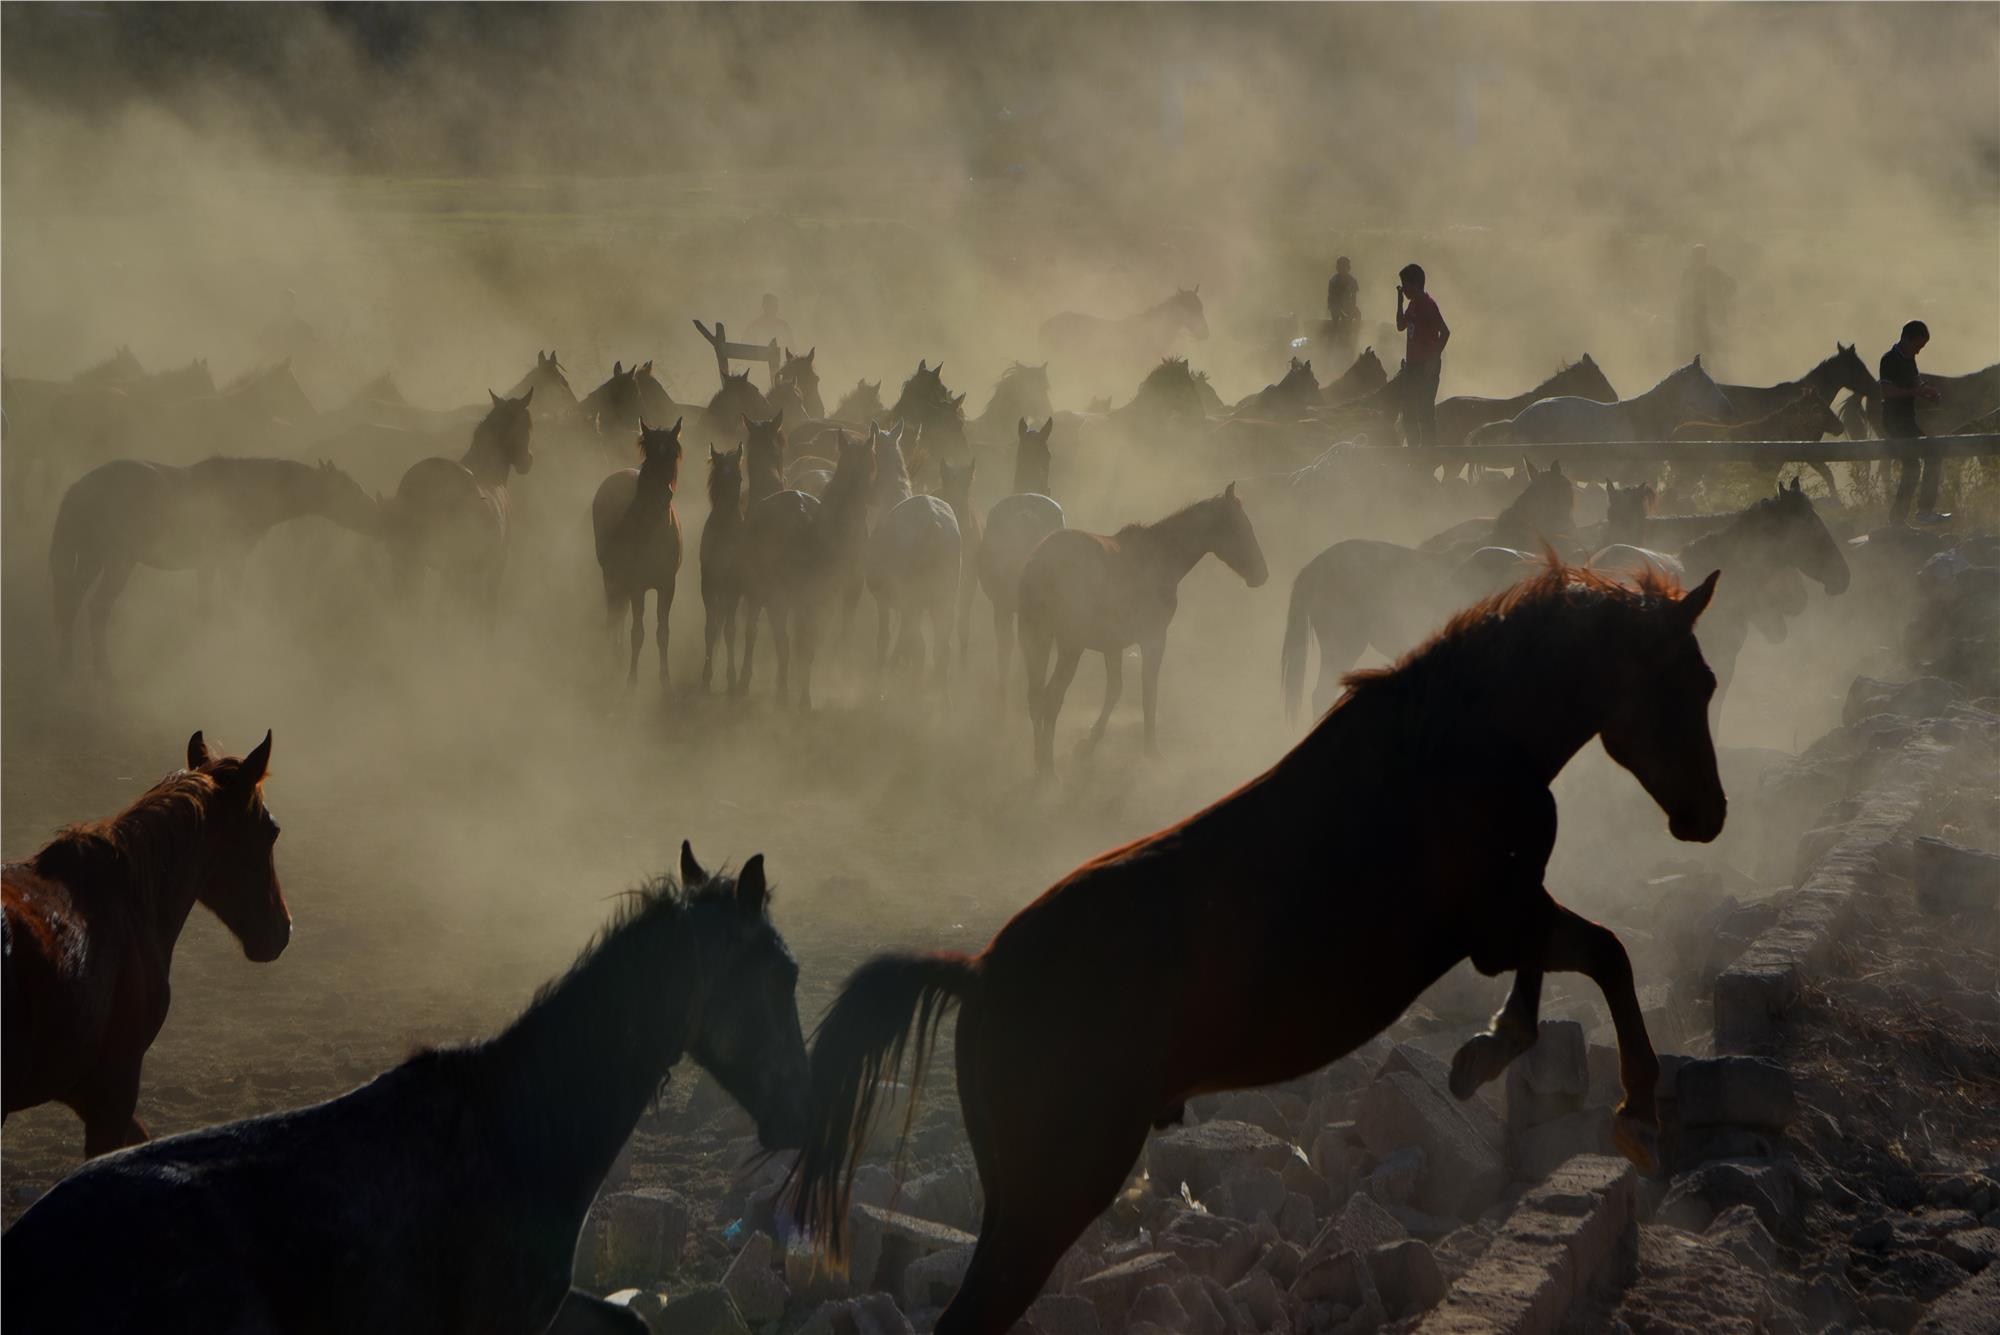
{"x": 638, "y": 538}
{"x": 1408, "y": 831}
{"x": 90, "y": 926}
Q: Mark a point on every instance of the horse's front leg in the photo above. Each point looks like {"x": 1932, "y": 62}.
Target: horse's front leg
{"x": 107, "y": 1106}
{"x": 1511, "y": 1033}
{"x": 1577, "y": 945}
{"x": 1151, "y": 651}
{"x": 663, "y": 606}
{"x": 638, "y": 601}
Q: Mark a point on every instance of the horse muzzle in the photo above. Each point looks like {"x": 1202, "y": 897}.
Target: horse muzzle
{"x": 1701, "y": 826}
{"x": 269, "y": 945}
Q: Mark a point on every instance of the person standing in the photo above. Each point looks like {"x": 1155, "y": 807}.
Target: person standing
{"x": 769, "y": 325}
{"x": 1902, "y": 388}
{"x": 1425, "y": 334}
{"x": 1343, "y": 313}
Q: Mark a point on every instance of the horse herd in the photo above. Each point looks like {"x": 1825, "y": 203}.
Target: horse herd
{"x": 448, "y": 1193}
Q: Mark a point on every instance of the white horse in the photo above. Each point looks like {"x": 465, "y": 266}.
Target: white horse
{"x": 1688, "y": 395}
{"x": 912, "y": 568}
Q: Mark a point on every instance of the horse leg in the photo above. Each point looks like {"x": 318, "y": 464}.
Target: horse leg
{"x": 614, "y": 607}
{"x": 1577, "y": 945}
{"x": 808, "y": 645}
{"x": 106, "y": 593}
{"x": 637, "y": 598}
{"x": 72, "y": 584}
{"x": 1150, "y": 654}
{"x": 1052, "y": 703}
{"x": 663, "y": 606}
{"x": 740, "y": 682}
{"x": 1512, "y": 1032}
{"x": 581, "y": 1314}
{"x": 881, "y": 636}
{"x": 710, "y": 624}
{"x": 781, "y": 644}
{"x": 106, "y": 1105}
{"x": 729, "y": 605}
{"x": 1114, "y": 686}
{"x": 1003, "y": 648}
{"x": 1036, "y": 644}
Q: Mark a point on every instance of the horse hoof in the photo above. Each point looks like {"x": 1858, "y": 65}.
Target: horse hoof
{"x": 1638, "y": 1141}
{"x": 1479, "y": 1060}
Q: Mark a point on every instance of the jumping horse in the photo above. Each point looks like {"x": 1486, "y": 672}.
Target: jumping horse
{"x": 207, "y": 517}
{"x": 453, "y": 515}
{"x": 1100, "y": 591}
{"x": 638, "y": 540}
{"x": 90, "y": 926}
{"x": 1408, "y": 831}
{"x": 447, "y": 1193}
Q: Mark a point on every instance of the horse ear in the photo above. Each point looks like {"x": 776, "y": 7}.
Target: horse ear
{"x": 617, "y": 368}
{"x": 198, "y": 753}
{"x": 691, "y": 871}
{"x": 257, "y": 763}
{"x": 810, "y": 351}
{"x": 1693, "y": 603}
{"x": 1230, "y": 491}
{"x": 713, "y": 455}
{"x": 752, "y": 894}
{"x": 959, "y": 402}
{"x": 529, "y": 397}
{"x": 676, "y": 432}
{"x": 1529, "y": 464}
{"x": 1798, "y": 479}
{"x": 1048, "y": 427}
{"x": 920, "y": 366}
{"x": 495, "y": 397}
{"x": 1021, "y": 427}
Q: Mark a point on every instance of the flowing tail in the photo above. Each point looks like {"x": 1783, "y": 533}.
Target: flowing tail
{"x": 862, "y": 1039}
{"x": 1292, "y": 662}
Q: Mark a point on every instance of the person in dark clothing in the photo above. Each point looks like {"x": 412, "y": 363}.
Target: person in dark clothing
{"x": 1343, "y": 312}
{"x": 1902, "y": 388}
{"x": 1426, "y": 333}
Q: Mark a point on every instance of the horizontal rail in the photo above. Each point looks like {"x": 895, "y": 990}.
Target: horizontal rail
{"x": 1767, "y": 452}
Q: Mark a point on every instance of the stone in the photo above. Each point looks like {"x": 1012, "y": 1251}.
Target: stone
{"x": 1332, "y": 1158}
{"x": 1210, "y": 1245}
{"x": 1063, "y": 1314}
{"x": 1538, "y": 1151}
{"x": 1253, "y": 1193}
{"x": 1394, "y": 1181}
{"x": 1973, "y": 1308}
{"x": 1262, "y": 1299}
{"x": 1336, "y": 1277}
{"x": 1254, "y": 1107}
{"x": 1157, "y": 1304}
{"x": 1361, "y": 1226}
{"x": 894, "y": 1240}
{"x": 643, "y": 1235}
{"x": 1464, "y": 1172}
{"x": 1201, "y": 1156}
{"x": 1111, "y": 1291}
{"x": 1429, "y": 1227}
{"x": 1742, "y": 1234}
{"x": 1556, "y": 1064}
{"x": 1971, "y": 1248}
{"x": 1952, "y": 878}
{"x": 1697, "y": 1197}
{"x": 708, "y": 1310}
{"x": 1476, "y": 1112}
{"x": 1407, "y": 1276}
{"x": 760, "y": 1294}
{"x": 1299, "y": 1178}
{"x": 877, "y": 1314}
{"x": 947, "y": 1196}
{"x": 1297, "y": 1221}
{"x": 931, "y": 1280}
{"x": 1735, "y": 1091}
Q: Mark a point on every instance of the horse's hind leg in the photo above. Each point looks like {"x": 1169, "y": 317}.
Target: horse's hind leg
{"x": 1114, "y": 686}
{"x": 1052, "y": 703}
{"x": 1003, "y": 648}
{"x": 711, "y": 624}
{"x": 740, "y": 682}
{"x": 106, "y": 593}
{"x": 106, "y": 1106}
{"x": 1511, "y": 1033}
{"x": 1150, "y": 654}
{"x": 637, "y": 599}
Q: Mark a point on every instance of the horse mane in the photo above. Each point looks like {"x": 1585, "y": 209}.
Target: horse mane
{"x": 141, "y": 845}
{"x": 254, "y": 375}
{"x": 1171, "y": 372}
{"x": 1468, "y": 642}
{"x": 1139, "y": 529}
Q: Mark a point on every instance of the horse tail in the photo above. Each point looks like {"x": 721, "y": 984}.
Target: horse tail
{"x": 67, "y": 574}
{"x": 862, "y": 1039}
{"x": 1292, "y": 662}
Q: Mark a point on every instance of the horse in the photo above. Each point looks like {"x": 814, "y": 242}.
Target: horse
{"x": 912, "y": 567}
{"x": 1365, "y": 376}
{"x": 264, "y": 400}
{"x": 1292, "y": 397}
{"x": 764, "y": 456}
{"x": 795, "y": 387}
{"x": 453, "y": 515}
{"x": 1071, "y": 336}
{"x": 1461, "y": 415}
{"x": 551, "y": 380}
{"x": 614, "y": 407}
{"x": 863, "y": 403}
{"x": 1806, "y": 417}
{"x": 448, "y": 1192}
{"x": 1021, "y": 391}
{"x": 638, "y": 540}
{"x": 1013, "y": 527}
{"x": 955, "y": 490}
{"x": 936, "y": 413}
{"x": 798, "y": 552}
{"x": 721, "y": 561}
{"x": 1407, "y": 832}
{"x": 1096, "y": 591}
{"x": 1360, "y": 592}
{"x": 1688, "y": 395}
{"x": 1843, "y": 370}
{"x": 120, "y": 368}
{"x": 90, "y": 925}
{"x": 736, "y": 401}
{"x": 1169, "y": 395}
{"x": 204, "y": 517}
{"x": 1765, "y": 548}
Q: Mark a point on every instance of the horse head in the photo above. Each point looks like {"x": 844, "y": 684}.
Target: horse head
{"x": 241, "y": 886}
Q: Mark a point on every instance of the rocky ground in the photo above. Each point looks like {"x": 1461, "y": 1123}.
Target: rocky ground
{"x": 1830, "y": 1103}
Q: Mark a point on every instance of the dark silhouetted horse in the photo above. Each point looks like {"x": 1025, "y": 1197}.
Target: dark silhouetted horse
{"x": 934, "y": 412}
{"x": 722, "y": 561}
{"x": 205, "y": 518}
{"x": 1013, "y": 528}
{"x": 736, "y": 401}
{"x": 91, "y": 922}
{"x": 795, "y": 388}
{"x": 453, "y": 515}
{"x": 1364, "y": 377}
{"x": 447, "y": 1193}
{"x": 1461, "y": 415}
{"x": 912, "y": 566}
{"x": 1022, "y": 391}
{"x": 1407, "y": 832}
{"x": 955, "y": 490}
{"x": 1106, "y": 591}
{"x": 763, "y": 457}
{"x": 638, "y": 540}
{"x": 1294, "y": 396}
{"x": 549, "y": 381}
{"x": 863, "y": 403}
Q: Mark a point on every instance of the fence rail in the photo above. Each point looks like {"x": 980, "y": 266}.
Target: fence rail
{"x": 1767, "y": 452}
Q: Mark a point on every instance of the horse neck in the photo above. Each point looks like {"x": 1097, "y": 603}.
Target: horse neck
{"x": 266, "y": 491}
{"x": 1653, "y": 407}
{"x": 725, "y": 501}
{"x": 570, "y": 1079}
{"x": 151, "y": 853}
{"x": 486, "y": 458}
{"x": 1031, "y": 472}
{"x": 1744, "y": 544}
{"x": 1176, "y": 544}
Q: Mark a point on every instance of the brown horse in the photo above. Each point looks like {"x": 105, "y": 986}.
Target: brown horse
{"x": 764, "y": 457}
{"x": 1323, "y": 891}
{"x": 91, "y": 922}
{"x": 207, "y": 518}
{"x": 795, "y": 388}
{"x": 613, "y": 408}
{"x": 1365, "y": 376}
{"x": 638, "y": 539}
{"x": 1806, "y": 417}
{"x": 722, "y": 561}
{"x": 452, "y": 515}
{"x": 1013, "y": 528}
{"x": 1095, "y": 591}
{"x": 552, "y": 380}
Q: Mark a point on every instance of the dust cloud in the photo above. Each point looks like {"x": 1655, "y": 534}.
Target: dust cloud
{"x": 448, "y": 190}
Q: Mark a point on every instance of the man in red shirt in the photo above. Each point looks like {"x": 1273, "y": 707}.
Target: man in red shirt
{"x": 1423, "y": 356}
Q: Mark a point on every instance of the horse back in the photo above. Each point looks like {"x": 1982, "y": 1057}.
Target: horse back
{"x": 63, "y": 982}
